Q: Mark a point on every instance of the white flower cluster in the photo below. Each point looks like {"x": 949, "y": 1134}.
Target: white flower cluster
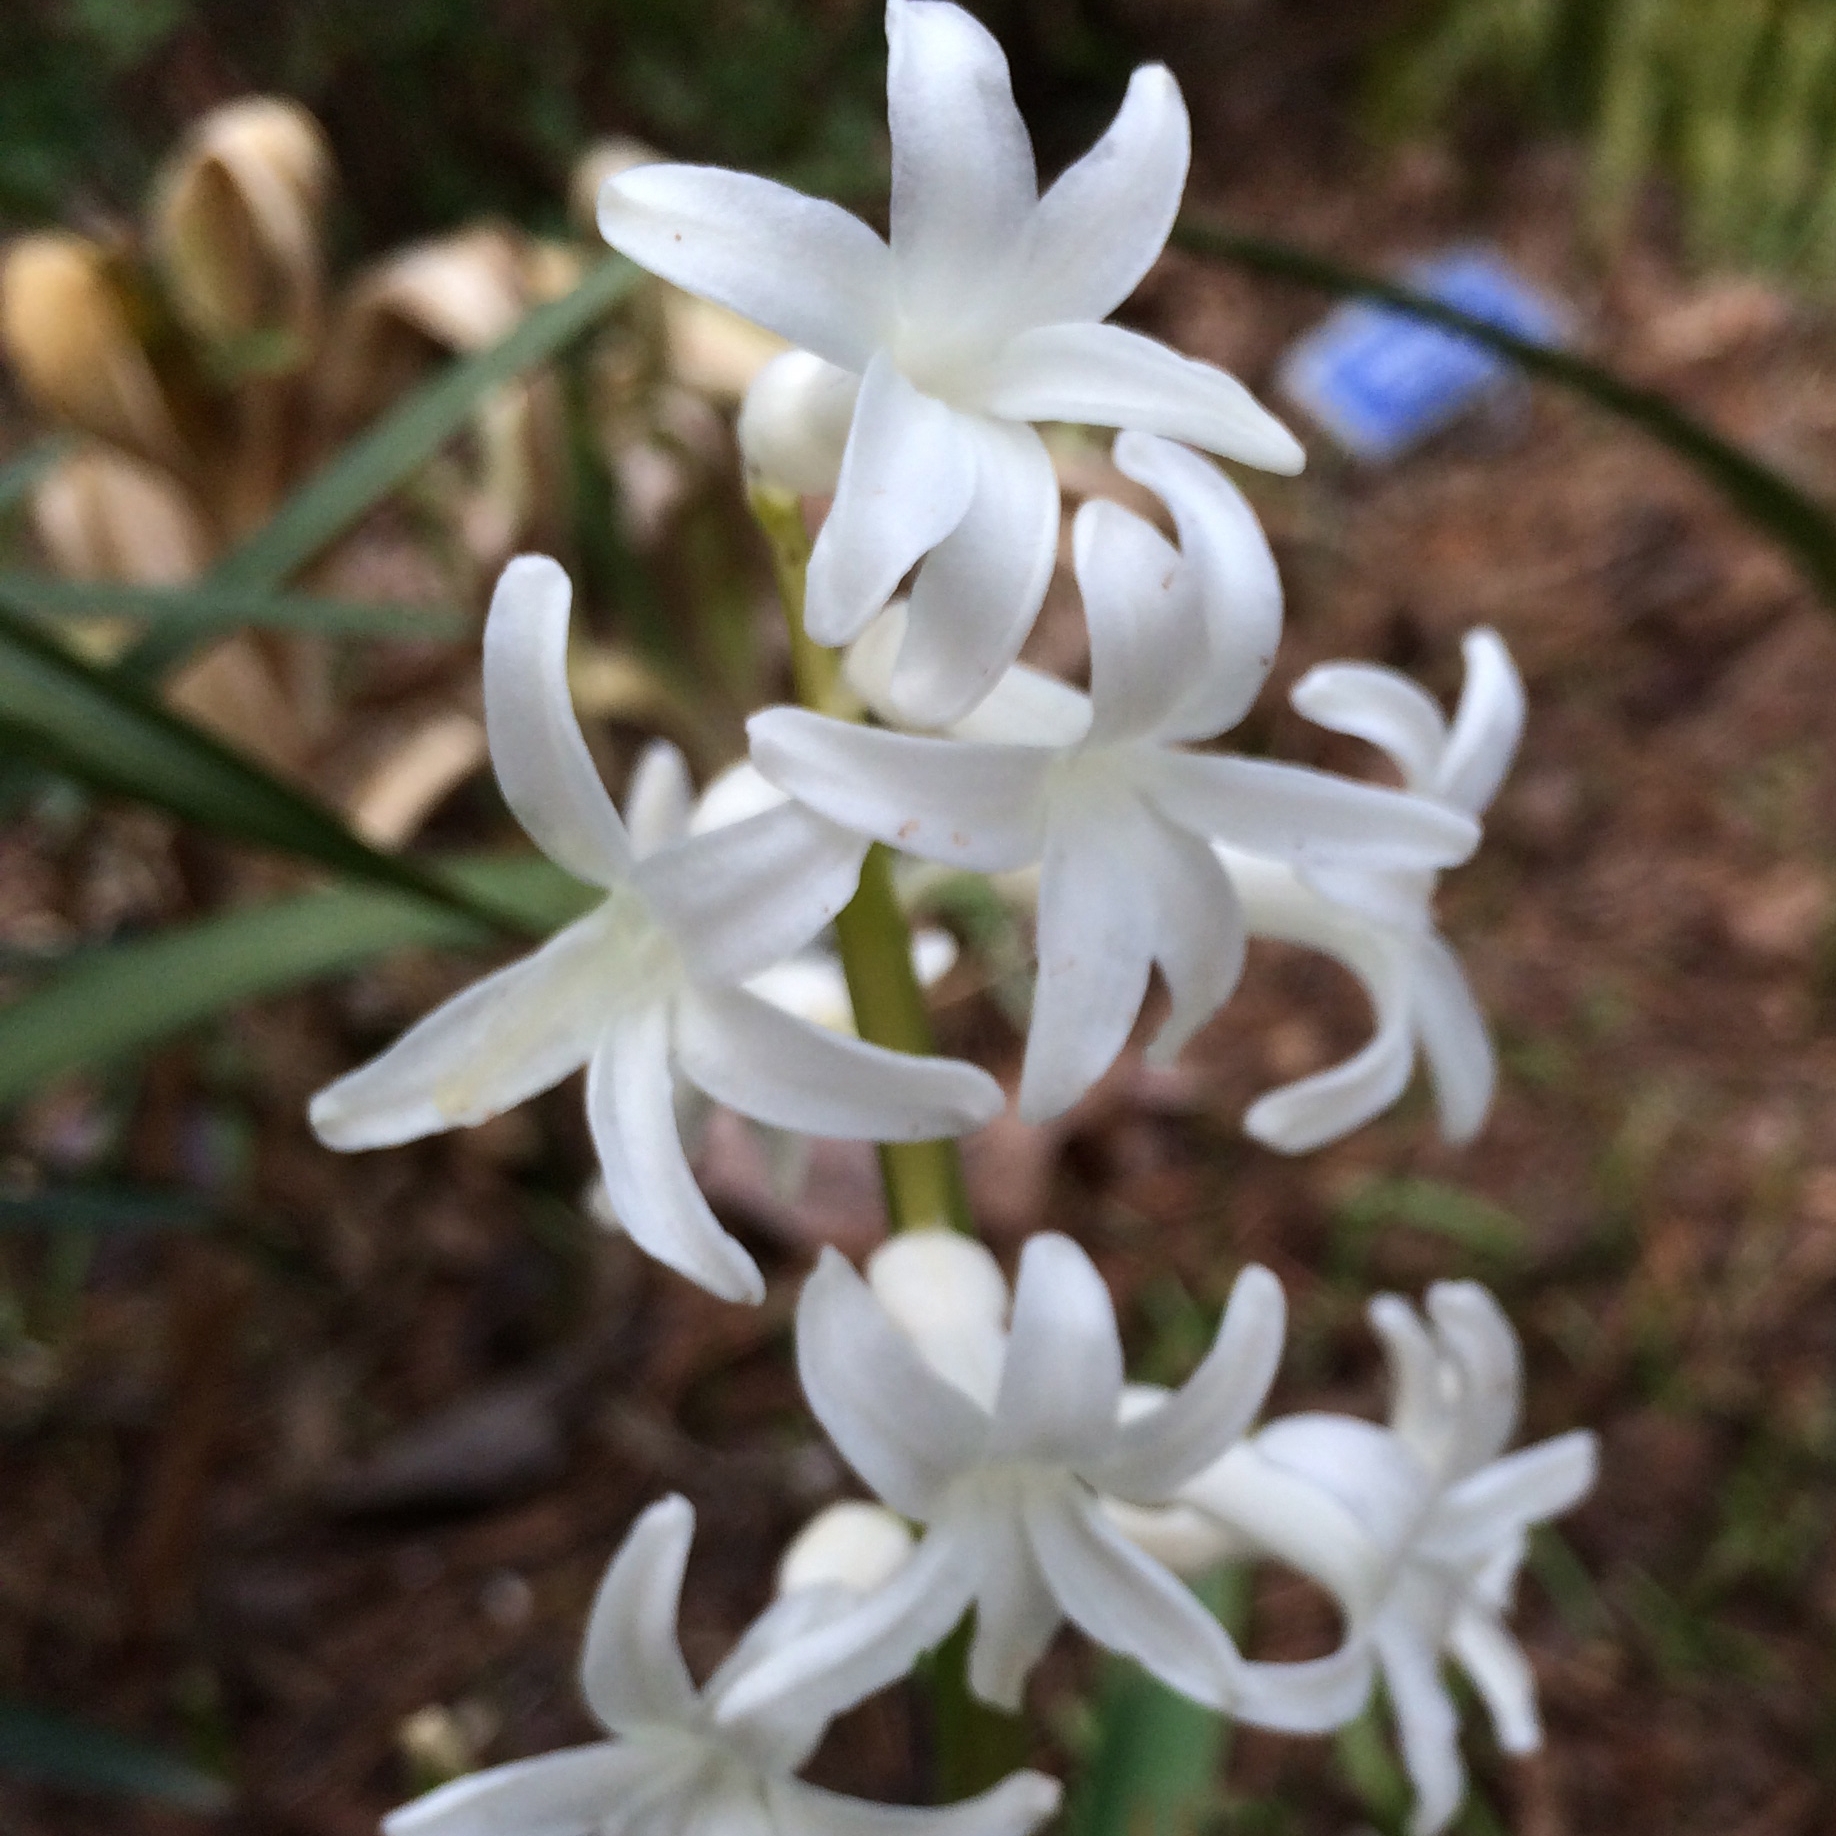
{"x": 1046, "y": 1489}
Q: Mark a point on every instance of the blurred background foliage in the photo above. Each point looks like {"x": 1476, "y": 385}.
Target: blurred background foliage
{"x": 1732, "y": 102}
{"x": 441, "y": 109}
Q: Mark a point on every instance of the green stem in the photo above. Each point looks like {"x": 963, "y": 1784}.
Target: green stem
{"x": 976, "y": 1746}
{"x": 923, "y": 1179}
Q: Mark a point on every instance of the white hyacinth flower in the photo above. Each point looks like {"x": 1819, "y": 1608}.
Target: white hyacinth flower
{"x": 650, "y": 981}
{"x": 1380, "y": 924}
{"x": 996, "y": 1437}
{"x": 1418, "y": 1529}
{"x": 1120, "y": 815}
{"x": 676, "y": 1762}
{"x": 937, "y": 350}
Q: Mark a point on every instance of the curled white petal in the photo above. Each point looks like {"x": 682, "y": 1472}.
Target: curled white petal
{"x": 541, "y": 760}
{"x": 793, "y": 426}
{"x": 853, "y": 1545}
{"x": 631, "y": 1668}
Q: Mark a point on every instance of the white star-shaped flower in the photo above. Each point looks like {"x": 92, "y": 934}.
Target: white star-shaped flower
{"x": 1119, "y": 814}
{"x": 996, "y": 1435}
{"x": 649, "y": 982}
{"x": 676, "y": 1762}
{"x": 935, "y": 351}
{"x": 1419, "y": 1529}
{"x": 1380, "y": 924}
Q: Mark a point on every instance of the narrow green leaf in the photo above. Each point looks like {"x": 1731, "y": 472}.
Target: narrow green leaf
{"x": 59, "y": 1751}
{"x": 198, "y": 611}
{"x": 1156, "y": 1766}
{"x": 1475, "y": 1223}
{"x": 119, "y": 999}
{"x": 58, "y": 711}
{"x": 391, "y": 452}
{"x": 107, "y": 1209}
{"x": 1789, "y": 515}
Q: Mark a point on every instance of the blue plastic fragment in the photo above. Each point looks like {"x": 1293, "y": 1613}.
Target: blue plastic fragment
{"x": 1380, "y": 382}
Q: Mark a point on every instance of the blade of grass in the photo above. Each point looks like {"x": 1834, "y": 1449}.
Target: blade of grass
{"x": 197, "y": 611}
{"x": 1795, "y": 520}
{"x": 392, "y": 451}
{"x": 113, "y": 1001}
{"x": 59, "y": 712}
{"x": 59, "y": 1751}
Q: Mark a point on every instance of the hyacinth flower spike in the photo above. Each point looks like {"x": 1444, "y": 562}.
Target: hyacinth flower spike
{"x": 1420, "y": 1528}
{"x": 649, "y": 982}
{"x": 1380, "y": 924}
{"x": 923, "y": 361}
{"x": 999, "y": 1453}
{"x": 1121, "y": 816}
{"x": 674, "y": 1762}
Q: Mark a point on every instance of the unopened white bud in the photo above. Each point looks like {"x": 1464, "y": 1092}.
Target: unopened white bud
{"x": 794, "y": 426}
{"x": 947, "y": 1294}
{"x": 853, "y": 1545}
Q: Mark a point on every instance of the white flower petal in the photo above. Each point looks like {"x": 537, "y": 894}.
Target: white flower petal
{"x": 906, "y": 481}
{"x": 1104, "y": 221}
{"x": 979, "y": 590}
{"x": 631, "y": 1111}
{"x": 1420, "y": 1406}
{"x": 1159, "y": 1451}
{"x": 1289, "y": 1517}
{"x": 778, "y": 1736}
{"x": 897, "y": 1423}
{"x": 1146, "y": 640}
{"x": 1385, "y": 709}
{"x": 1291, "y": 813}
{"x": 1095, "y": 947}
{"x": 1233, "y": 576}
{"x": 738, "y": 898}
{"x": 788, "y": 1073}
{"x": 1018, "y": 1804}
{"x": 1426, "y": 1724}
{"x": 1507, "y": 1495}
{"x": 1306, "y": 1114}
{"x": 1313, "y": 1697}
{"x": 1455, "y": 1040}
{"x": 1502, "y": 1675}
{"x": 1367, "y": 1470}
{"x": 492, "y": 1046}
{"x": 603, "y": 1788}
{"x": 947, "y": 1294}
{"x": 1199, "y": 933}
{"x": 542, "y": 763}
{"x": 793, "y": 425}
{"x": 1062, "y": 1380}
{"x": 840, "y": 1663}
{"x": 658, "y": 799}
{"x": 1127, "y": 1601}
{"x": 1178, "y": 1536}
{"x": 1107, "y": 377}
{"x": 732, "y": 796}
{"x": 1487, "y": 725}
{"x": 631, "y": 1668}
{"x": 973, "y": 806}
{"x": 798, "y": 266}
{"x": 1026, "y": 707}
{"x": 963, "y": 184}
{"x": 1015, "y": 1613}
{"x": 1483, "y": 1344}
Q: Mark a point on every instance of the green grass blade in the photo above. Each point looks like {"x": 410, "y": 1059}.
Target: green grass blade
{"x": 59, "y": 712}
{"x": 198, "y": 611}
{"x": 109, "y": 1210}
{"x": 391, "y": 452}
{"x": 116, "y": 1000}
{"x": 58, "y": 1751}
{"x": 1795, "y": 520}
